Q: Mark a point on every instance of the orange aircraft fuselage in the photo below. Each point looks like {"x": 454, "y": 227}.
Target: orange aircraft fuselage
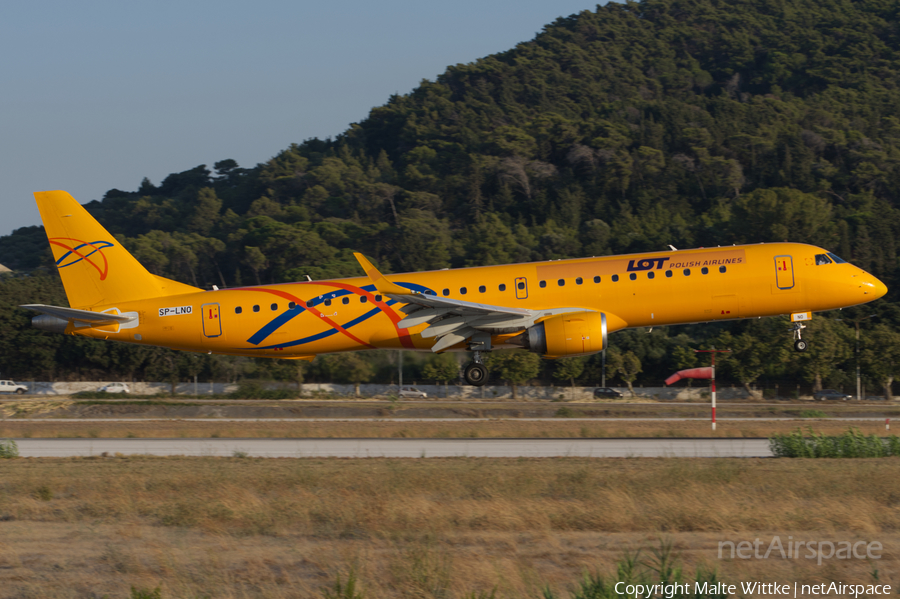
{"x": 303, "y": 319}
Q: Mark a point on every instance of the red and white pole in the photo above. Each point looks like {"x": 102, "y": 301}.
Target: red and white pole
{"x": 713, "y": 384}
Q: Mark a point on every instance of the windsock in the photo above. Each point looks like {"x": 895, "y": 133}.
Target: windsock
{"x": 690, "y": 373}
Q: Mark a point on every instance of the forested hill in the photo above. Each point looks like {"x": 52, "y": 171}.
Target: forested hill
{"x": 627, "y": 128}
{"x": 624, "y": 129}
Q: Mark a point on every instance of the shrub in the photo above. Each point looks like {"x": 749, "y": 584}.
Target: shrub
{"x": 254, "y": 390}
{"x": 9, "y": 449}
{"x": 852, "y": 444}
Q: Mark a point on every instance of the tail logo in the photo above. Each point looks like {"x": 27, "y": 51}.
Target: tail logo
{"x": 82, "y": 251}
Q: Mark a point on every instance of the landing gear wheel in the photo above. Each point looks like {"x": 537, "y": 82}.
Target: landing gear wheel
{"x": 800, "y": 345}
{"x": 476, "y": 374}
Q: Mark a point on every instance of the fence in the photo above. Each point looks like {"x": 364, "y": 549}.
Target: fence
{"x": 311, "y": 390}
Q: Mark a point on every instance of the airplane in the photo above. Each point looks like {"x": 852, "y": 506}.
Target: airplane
{"x": 556, "y": 308}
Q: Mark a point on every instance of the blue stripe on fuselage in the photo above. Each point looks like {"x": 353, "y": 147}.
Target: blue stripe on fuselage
{"x": 260, "y": 335}
{"x": 285, "y": 317}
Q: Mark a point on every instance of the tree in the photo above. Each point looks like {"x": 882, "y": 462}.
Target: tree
{"x": 441, "y": 367}
{"x": 747, "y": 359}
{"x": 627, "y": 365}
{"x": 348, "y": 368}
{"x": 881, "y": 356}
{"x": 830, "y": 346}
{"x": 515, "y": 367}
{"x": 684, "y": 357}
{"x": 569, "y": 369}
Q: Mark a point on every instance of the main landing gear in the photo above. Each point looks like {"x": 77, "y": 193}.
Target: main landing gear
{"x": 799, "y": 344}
{"x": 476, "y": 373}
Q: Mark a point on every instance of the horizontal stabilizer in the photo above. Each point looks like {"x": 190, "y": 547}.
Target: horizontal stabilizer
{"x": 79, "y": 315}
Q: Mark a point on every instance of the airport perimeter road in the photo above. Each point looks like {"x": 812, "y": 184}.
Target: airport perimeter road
{"x": 401, "y": 448}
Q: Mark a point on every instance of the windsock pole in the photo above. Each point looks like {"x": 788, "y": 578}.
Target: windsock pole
{"x": 712, "y": 385}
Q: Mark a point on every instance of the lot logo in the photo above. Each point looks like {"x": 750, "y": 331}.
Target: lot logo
{"x": 78, "y": 250}
{"x": 646, "y": 264}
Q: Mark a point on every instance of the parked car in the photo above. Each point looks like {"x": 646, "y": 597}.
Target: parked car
{"x": 115, "y": 388}
{"x": 606, "y": 393}
{"x": 831, "y": 394}
{"x": 412, "y": 392}
{"x": 12, "y": 387}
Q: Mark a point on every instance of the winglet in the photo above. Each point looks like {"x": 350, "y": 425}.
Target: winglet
{"x": 381, "y": 283}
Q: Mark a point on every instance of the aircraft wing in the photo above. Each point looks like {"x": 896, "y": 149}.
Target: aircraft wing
{"x": 453, "y": 321}
{"x": 80, "y": 315}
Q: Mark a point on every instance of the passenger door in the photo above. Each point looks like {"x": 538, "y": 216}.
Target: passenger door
{"x": 212, "y": 324}
{"x": 784, "y": 272}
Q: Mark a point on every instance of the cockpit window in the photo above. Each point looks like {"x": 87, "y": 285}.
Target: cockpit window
{"x": 837, "y": 259}
{"x": 822, "y": 259}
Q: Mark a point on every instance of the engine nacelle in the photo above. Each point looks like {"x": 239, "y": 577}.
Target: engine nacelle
{"x": 575, "y": 334}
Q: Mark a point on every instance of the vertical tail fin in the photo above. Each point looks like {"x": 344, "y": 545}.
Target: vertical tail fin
{"x": 95, "y": 269}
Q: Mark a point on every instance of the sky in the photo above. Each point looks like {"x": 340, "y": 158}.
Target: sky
{"x": 96, "y": 95}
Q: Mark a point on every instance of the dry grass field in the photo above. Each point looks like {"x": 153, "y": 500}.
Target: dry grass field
{"x": 207, "y": 527}
{"x": 509, "y": 428}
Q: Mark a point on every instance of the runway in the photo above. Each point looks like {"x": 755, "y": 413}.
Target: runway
{"x": 400, "y": 448}
{"x": 459, "y": 419}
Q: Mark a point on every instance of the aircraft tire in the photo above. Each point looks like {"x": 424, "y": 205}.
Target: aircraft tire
{"x": 800, "y": 345}
{"x": 476, "y": 374}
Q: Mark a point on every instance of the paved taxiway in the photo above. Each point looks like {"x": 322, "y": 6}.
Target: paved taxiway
{"x": 400, "y": 448}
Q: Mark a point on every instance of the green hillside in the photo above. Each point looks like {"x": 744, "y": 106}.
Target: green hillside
{"x": 627, "y": 128}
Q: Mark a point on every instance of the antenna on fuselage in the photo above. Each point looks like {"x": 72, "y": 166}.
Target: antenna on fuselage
{"x": 673, "y": 248}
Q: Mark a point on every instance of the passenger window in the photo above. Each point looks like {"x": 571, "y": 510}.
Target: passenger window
{"x": 292, "y": 306}
{"x": 687, "y": 272}
{"x": 377, "y": 298}
{"x": 669, "y": 274}
{"x": 836, "y": 259}
{"x": 274, "y": 307}
{"x": 632, "y": 276}
{"x": 238, "y": 310}
{"x": 596, "y": 279}
{"x": 482, "y": 289}
{"x": 521, "y": 285}
{"x": 256, "y": 308}
{"x": 446, "y": 292}
{"x": 704, "y": 271}
{"x": 651, "y": 274}
{"x": 463, "y": 291}
{"x": 543, "y": 284}
{"x": 579, "y": 281}
{"x": 615, "y": 278}
{"x": 328, "y": 302}
{"x": 723, "y": 268}
{"x": 363, "y": 299}
{"x": 561, "y": 282}
{"x": 346, "y": 300}
{"x": 502, "y": 286}
{"x": 822, "y": 259}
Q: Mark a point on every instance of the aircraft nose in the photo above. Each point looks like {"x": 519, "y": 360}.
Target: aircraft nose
{"x": 873, "y": 287}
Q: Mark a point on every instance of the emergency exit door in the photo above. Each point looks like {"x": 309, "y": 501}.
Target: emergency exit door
{"x": 521, "y": 288}
{"x": 784, "y": 272}
{"x": 212, "y": 324}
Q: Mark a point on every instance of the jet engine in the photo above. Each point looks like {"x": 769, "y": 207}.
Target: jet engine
{"x": 572, "y": 334}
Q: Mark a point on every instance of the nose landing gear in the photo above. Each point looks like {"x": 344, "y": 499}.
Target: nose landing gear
{"x": 799, "y": 344}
